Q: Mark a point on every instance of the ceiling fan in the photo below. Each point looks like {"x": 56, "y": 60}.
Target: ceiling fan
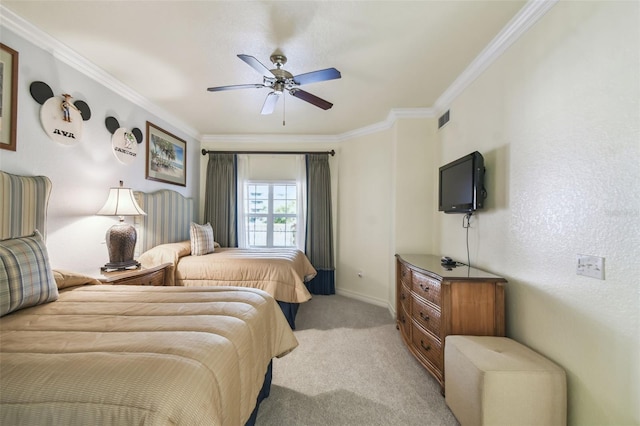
{"x": 280, "y": 80}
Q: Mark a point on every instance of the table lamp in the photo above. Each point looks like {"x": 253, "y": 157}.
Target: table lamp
{"x": 121, "y": 238}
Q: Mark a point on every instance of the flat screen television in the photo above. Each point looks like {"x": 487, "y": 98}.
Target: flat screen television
{"x": 461, "y": 185}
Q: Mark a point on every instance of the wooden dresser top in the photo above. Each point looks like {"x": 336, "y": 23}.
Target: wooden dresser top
{"x": 430, "y": 265}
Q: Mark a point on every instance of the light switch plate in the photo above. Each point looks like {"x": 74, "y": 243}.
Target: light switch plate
{"x": 590, "y": 266}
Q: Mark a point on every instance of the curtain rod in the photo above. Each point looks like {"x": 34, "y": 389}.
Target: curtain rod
{"x": 331, "y": 153}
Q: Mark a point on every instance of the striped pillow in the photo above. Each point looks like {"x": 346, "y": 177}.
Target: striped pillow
{"x": 26, "y": 279}
{"x": 201, "y": 239}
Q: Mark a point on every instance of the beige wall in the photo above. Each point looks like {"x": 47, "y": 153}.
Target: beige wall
{"x": 557, "y": 119}
{"x": 272, "y": 167}
{"x": 364, "y": 224}
{"x": 416, "y": 176}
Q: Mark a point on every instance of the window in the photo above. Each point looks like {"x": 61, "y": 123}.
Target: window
{"x": 272, "y": 214}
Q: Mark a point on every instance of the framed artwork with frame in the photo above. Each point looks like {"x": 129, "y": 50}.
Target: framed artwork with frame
{"x": 8, "y": 97}
{"x": 166, "y": 156}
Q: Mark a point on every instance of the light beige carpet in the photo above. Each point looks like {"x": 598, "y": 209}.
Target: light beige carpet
{"x": 351, "y": 368}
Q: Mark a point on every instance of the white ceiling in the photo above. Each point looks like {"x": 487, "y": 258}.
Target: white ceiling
{"x": 392, "y": 54}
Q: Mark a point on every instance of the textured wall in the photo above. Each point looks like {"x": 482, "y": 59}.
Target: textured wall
{"x": 557, "y": 119}
{"x": 363, "y": 221}
{"x": 415, "y": 186}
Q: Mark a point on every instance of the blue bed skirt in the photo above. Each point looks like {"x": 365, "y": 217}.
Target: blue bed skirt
{"x": 264, "y": 393}
{"x": 289, "y": 310}
{"x": 323, "y": 283}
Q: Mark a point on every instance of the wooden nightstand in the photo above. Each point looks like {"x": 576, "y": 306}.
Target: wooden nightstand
{"x": 142, "y": 276}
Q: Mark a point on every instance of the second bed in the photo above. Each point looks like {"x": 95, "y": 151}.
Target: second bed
{"x": 163, "y": 237}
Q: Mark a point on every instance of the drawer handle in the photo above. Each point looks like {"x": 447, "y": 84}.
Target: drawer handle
{"x": 403, "y": 296}
{"x": 424, "y": 288}
{"x": 426, "y": 348}
{"x": 404, "y": 273}
{"x": 403, "y": 320}
{"x": 424, "y": 317}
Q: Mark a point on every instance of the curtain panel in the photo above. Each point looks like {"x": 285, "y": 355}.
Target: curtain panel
{"x": 301, "y": 207}
{"x": 220, "y": 198}
{"x": 242, "y": 179}
{"x": 319, "y": 239}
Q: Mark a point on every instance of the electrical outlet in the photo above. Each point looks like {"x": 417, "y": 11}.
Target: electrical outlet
{"x": 590, "y": 266}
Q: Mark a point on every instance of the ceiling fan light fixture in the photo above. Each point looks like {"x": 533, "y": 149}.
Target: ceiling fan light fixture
{"x": 280, "y": 80}
{"x": 278, "y": 87}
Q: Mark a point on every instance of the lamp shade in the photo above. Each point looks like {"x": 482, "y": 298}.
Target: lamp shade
{"x": 121, "y": 202}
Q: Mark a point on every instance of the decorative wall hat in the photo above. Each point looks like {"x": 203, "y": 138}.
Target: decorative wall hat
{"x": 123, "y": 142}
{"x": 61, "y": 117}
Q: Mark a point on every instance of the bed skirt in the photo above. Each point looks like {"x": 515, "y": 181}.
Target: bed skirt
{"x": 264, "y": 393}
{"x": 323, "y": 283}
{"x": 289, "y": 310}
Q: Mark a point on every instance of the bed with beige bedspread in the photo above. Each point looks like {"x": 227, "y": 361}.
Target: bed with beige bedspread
{"x": 281, "y": 273}
{"x": 165, "y": 234}
{"x": 140, "y": 355}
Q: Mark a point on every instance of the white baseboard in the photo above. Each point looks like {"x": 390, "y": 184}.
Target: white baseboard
{"x": 367, "y": 299}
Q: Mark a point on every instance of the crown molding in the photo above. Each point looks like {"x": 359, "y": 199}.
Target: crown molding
{"x": 70, "y": 57}
{"x": 530, "y": 13}
{"x": 519, "y": 24}
{"x": 266, "y": 138}
{"x": 393, "y": 116}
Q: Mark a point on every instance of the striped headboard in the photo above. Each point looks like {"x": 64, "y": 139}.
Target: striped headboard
{"x": 169, "y": 215}
{"x": 23, "y": 205}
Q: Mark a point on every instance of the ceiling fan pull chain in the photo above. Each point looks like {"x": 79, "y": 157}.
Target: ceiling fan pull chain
{"x": 284, "y": 114}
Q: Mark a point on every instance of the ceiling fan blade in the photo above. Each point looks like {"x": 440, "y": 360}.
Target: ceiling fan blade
{"x": 316, "y": 76}
{"x": 235, "y": 87}
{"x": 270, "y": 103}
{"x": 312, "y": 99}
{"x": 256, "y": 65}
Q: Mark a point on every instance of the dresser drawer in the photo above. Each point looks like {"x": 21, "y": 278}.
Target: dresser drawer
{"x": 427, "y": 315}
{"x": 404, "y": 296}
{"x": 405, "y": 275}
{"x": 404, "y": 322}
{"x": 426, "y": 287}
{"x": 155, "y": 278}
{"x": 428, "y": 346}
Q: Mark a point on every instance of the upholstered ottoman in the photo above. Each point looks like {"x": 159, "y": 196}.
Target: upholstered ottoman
{"x": 498, "y": 381}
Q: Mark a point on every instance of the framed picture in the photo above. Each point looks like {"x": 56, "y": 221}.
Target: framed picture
{"x": 166, "y": 156}
{"x": 8, "y": 97}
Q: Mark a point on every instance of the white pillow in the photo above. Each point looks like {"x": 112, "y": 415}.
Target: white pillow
{"x": 201, "y": 239}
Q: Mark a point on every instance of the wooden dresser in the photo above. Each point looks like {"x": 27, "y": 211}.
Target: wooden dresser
{"x": 433, "y": 301}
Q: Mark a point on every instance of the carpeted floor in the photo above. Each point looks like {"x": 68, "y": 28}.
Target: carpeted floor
{"x": 351, "y": 368}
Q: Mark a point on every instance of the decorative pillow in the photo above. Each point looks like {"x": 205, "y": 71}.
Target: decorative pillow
{"x": 26, "y": 279}
{"x": 66, "y": 279}
{"x": 201, "y": 239}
